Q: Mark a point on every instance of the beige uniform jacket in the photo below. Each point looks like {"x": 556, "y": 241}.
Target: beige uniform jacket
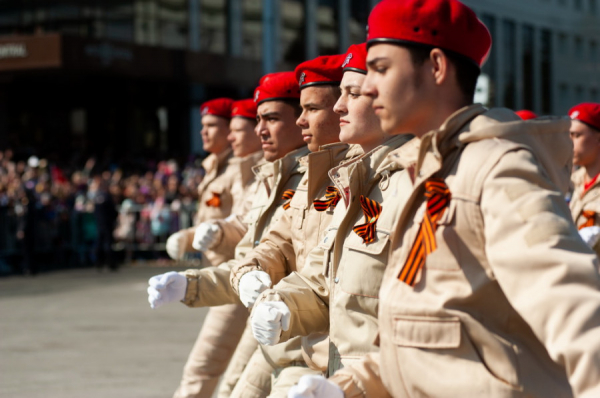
{"x": 508, "y": 305}
{"x": 337, "y": 290}
{"x": 233, "y": 228}
{"x": 215, "y": 200}
{"x": 210, "y": 286}
{"x": 284, "y": 248}
{"x": 588, "y": 201}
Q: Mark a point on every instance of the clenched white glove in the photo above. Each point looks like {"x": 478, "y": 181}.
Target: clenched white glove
{"x": 166, "y": 288}
{"x": 590, "y": 235}
{"x": 268, "y": 320}
{"x": 205, "y": 236}
{"x": 315, "y": 387}
{"x": 251, "y": 285}
{"x": 175, "y": 245}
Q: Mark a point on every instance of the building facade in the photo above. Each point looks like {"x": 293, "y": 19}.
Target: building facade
{"x": 127, "y": 76}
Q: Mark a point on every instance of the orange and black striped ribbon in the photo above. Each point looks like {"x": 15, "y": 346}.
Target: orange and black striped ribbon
{"x": 215, "y": 201}
{"x": 332, "y": 197}
{"x": 288, "y": 195}
{"x": 590, "y": 217}
{"x": 438, "y": 197}
{"x": 371, "y": 209}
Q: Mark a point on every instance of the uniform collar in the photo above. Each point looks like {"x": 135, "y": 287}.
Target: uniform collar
{"x": 217, "y": 161}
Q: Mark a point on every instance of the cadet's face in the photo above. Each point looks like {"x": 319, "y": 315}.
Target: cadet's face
{"x": 400, "y": 97}
{"x": 214, "y": 133}
{"x": 320, "y": 124}
{"x": 586, "y": 144}
{"x": 242, "y": 138}
{"x": 358, "y": 122}
{"x": 277, "y": 129}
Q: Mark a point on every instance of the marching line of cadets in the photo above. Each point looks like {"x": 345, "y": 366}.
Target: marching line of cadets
{"x": 367, "y": 231}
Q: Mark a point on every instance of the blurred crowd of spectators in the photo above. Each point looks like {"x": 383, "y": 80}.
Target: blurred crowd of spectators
{"x": 44, "y": 206}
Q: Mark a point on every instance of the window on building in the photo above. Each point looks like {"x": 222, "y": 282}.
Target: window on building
{"x": 252, "y": 29}
{"x": 328, "y": 20}
{"x": 510, "y": 63}
{"x": 578, "y": 48}
{"x": 594, "y": 97}
{"x": 579, "y": 94}
{"x": 118, "y": 21}
{"x": 593, "y": 51}
{"x": 579, "y": 5}
{"x": 173, "y": 23}
{"x": 359, "y": 16}
{"x": 563, "y": 44}
{"x": 593, "y": 7}
{"x": 213, "y": 26}
{"x": 563, "y": 97}
{"x": 546, "y": 70}
{"x": 293, "y": 31}
{"x": 489, "y": 68}
{"x": 528, "y": 33}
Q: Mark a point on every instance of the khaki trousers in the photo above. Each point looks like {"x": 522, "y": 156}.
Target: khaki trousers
{"x": 241, "y": 357}
{"x": 222, "y": 329}
{"x": 255, "y": 380}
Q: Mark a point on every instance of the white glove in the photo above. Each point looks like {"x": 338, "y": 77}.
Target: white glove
{"x": 166, "y": 288}
{"x": 175, "y": 245}
{"x": 310, "y": 386}
{"x": 205, "y": 236}
{"x": 268, "y": 319}
{"x": 590, "y": 235}
{"x": 252, "y": 285}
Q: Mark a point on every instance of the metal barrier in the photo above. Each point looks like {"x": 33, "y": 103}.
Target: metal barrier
{"x": 68, "y": 238}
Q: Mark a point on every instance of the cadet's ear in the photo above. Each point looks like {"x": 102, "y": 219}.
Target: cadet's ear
{"x": 439, "y": 66}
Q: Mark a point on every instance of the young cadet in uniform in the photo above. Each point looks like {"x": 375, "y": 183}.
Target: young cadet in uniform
{"x": 223, "y": 326}
{"x": 283, "y": 146}
{"x": 285, "y": 246}
{"x": 216, "y": 199}
{"x": 585, "y": 200}
{"x": 337, "y": 288}
{"x": 489, "y": 290}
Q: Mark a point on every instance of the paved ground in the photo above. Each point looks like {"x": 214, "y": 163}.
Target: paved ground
{"x": 80, "y": 333}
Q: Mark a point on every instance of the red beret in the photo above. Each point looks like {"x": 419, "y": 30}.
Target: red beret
{"x": 244, "y": 108}
{"x": 356, "y": 58}
{"x": 277, "y": 86}
{"x": 588, "y": 112}
{"x": 526, "y": 114}
{"x": 325, "y": 69}
{"x": 446, "y": 24}
{"x": 218, "y": 107}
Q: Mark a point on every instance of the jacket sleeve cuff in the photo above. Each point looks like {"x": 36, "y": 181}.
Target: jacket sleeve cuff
{"x": 238, "y": 271}
{"x": 191, "y": 292}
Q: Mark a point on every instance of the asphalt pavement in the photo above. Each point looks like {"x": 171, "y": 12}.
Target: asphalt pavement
{"x": 81, "y": 333}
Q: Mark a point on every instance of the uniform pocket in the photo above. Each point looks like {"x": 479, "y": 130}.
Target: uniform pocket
{"x": 427, "y": 332}
{"x": 363, "y": 265}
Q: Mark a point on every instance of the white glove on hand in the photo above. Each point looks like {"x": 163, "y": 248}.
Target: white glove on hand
{"x": 166, "y": 288}
{"x": 252, "y": 285}
{"x": 205, "y": 236}
{"x": 268, "y": 319}
{"x": 315, "y": 387}
{"x": 175, "y": 245}
{"x": 590, "y": 235}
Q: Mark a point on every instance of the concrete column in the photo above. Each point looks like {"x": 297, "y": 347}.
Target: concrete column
{"x": 312, "y": 28}
{"x": 519, "y": 76}
{"x": 500, "y": 62}
{"x": 537, "y": 66}
{"x": 194, "y": 25}
{"x": 235, "y": 16}
{"x": 343, "y": 24}
{"x": 270, "y": 37}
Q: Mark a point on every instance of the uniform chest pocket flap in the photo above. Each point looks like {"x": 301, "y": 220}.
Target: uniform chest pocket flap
{"x": 427, "y": 332}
